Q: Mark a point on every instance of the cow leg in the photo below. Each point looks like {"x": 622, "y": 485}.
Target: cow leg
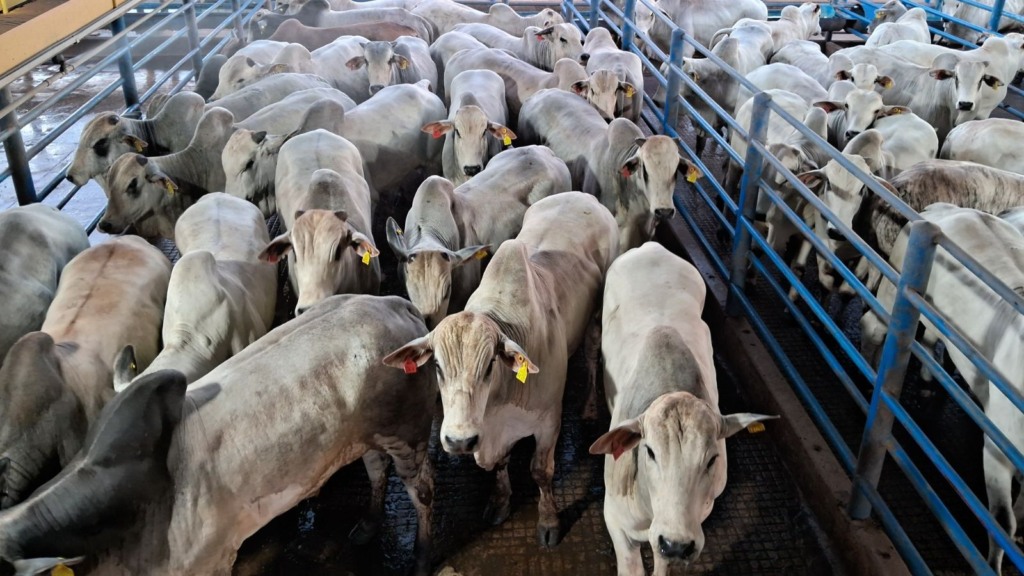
{"x": 998, "y": 484}
{"x": 500, "y": 504}
{"x": 542, "y": 467}
{"x": 628, "y": 560}
{"x": 660, "y": 565}
{"x": 416, "y": 471}
{"x": 376, "y": 464}
{"x": 592, "y": 355}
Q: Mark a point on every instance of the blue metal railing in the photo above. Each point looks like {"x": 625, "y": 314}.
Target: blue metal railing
{"x": 749, "y": 251}
{"x": 183, "y": 18}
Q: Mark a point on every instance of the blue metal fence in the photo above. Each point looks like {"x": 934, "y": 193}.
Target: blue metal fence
{"x": 184, "y": 18}
{"x": 750, "y": 251}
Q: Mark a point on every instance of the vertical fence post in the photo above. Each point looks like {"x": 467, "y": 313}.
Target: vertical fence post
{"x": 193, "y": 34}
{"x": 675, "y": 58}
{"x": 753, "y": 166}
{"x": 595, "y": 8}
{"x": 125, "y": 66}
{"x": 895, "y": 356}
{"x": 236, "y": 8}
{"x": 997, "y": 15}
{"x": 14, "y": 148}
{"x": 627, "y": 25}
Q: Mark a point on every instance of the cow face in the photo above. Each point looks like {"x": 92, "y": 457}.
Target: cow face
{"x": 842, "y": 192}
{"x": 237, "y": 73}
{"x": 382, "y": 64}
{"x": 565, "y": 41}
{"x": 250, "y": 160}
{"x": 472, "y": 134}
{"x": 861, "y": 109}
{"x": 678, "y": 444}
{"x": 863, "y": 76}
{"x": 324, "y": 249}
{"x": 970, "y": 79}
{"x": 653, "y": 170}
{"x": 603, "y": 90}
{"x": 136, "y": 190}
{"x": 104, "y": 140}
{"x": 474, "y": 360}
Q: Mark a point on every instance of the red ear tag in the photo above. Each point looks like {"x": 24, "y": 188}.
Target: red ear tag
{"x": 410, "y": 366}
{"x": 437, "y": 133}
{"x": 625, "y": 172}
{"x": 540, "y": 37}
{"x": 617, "y": 451}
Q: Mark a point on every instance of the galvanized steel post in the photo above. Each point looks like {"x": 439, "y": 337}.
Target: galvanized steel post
{"x": 627, "y": 25}
{"x": 236, "y": 9}
{"x": 753, "y": 166}
{"x": 675, "y": 58}
{"x": 595, "y": 6}
{"x": 997, "y": 15}
{"x": 193, "y": 34}
{"x": 895, "y": 356}
{"x": 125, "y": 66}
{"x": 14, "y": 148}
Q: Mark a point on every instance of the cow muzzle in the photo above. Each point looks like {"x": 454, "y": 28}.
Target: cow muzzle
{"x": 664, "y": 213}
{"x": 851, "y": 134}
{"x": 677, "y": 550}
{"x": 965, "y": 106}
{"x": 465, "y": 445}
{"x": 835, "y": 234}
{"x": 376, "y": 88}
{"x": 105, "y": 226}
{"x": 472, "y": 170}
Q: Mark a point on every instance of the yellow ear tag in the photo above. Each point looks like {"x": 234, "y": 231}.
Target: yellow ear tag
{"x": 523, "y": 371}
{"x": 366, "y": 257}
{"x": 138, "y": 146}
{"x": 506, "y": 140}
{"x": 62, "y": 570}
{"x": 629, "y": 91}
{"x": 403, "y": 64}
{"x": 692, "y": 174}
{"x": 480, "y": 254}
{"x": 755, "y": 428}
{"x": 169, "y": 187}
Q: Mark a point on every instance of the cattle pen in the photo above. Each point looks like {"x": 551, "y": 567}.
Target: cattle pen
{"x": 870, "y": 470}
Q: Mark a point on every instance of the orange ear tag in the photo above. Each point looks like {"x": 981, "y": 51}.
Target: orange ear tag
{"x": 61, "y": 570}
{"x": 692, "y": 174}
{"x": 437, "y": 133}
{"x": 625, "y": 173}
{"x": 366, "y": 257}
{"x": 138, "y": 148}
{"x": 409, "y": 366}
{"x": 755, "y": 428}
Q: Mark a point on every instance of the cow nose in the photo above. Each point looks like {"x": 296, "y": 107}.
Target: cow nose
{"x": 850, "y": 134}
{"x": 835, "y": 234}
{"x": 461, "y": 445}
{"x": 69, "y": 178}
{"x": 299, "y": 310}
{"x": 584, "y": 57}
{"x": 664, "y": 213}
{"x": 472, "y": 170}
{"x": 965, "y": 106}
{"x": 376, "y": 88}
{"x": 680, "y": 550}
{"x": 105, "y": 227}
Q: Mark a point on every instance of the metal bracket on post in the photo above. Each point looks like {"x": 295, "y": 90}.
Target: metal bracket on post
{"x": 753, "y": 167}
{"x": 125, "y": 66}
{"x": 595, "y": 7}
{"x": 675, "y": 58}
{"x": 193, "y": 34}
{"x": 917, "y": 268}
{"x": 628, "y": 32}
{"x": 997, "y": 15}
{"x": 14, "y": 148}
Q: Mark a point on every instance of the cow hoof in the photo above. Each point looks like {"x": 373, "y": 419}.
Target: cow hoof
{"x": 549, "y": 536}
{"x": 497, "y": 513}
{"x": 364, "y": 531}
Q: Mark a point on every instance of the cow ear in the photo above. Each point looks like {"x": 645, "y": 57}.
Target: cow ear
{"x": 157, "y": 177}
{"x": 843, "y": 75}
{"x": 515, "y": 358}
{"x": 580, "y": 87}
{"x": 618, "y": 440}
{"x": 895, "y": 110}
{"x": 417, "y": 352}
{"x": 402, "y": 61}
{"x": 543, "y": 34}
{"x": 250, "y": 62}
{"x": 828, "y": 105}
{"x": 396, "y": 240}
{"x": 437, "y": 129}
{"x": 362, "y": 245}
{"x": 812, "y": 179}
{"x": 501, "y": 132}
{"x": 885, "y": 82}
{"x": 279, "y": 68}
{"x": 125, "y": 368}
{"x": 469, "y": 253}
{"x": 356, "y": 63}
{"x": 277, "y": 249}
{"x": 136, "y": 143}
{"x": 629, "y": 168}
{"x": 43, "y": 565}
{"x": 627, "y": 89}
{"x": 733, "y": 423}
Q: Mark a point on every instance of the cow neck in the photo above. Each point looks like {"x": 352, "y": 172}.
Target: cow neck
{"x": 146, "y": 130}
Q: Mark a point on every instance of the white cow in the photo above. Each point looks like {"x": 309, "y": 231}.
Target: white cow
{"x": 255, "y": 61}
{"x": 807, "y": 56}
{"x": 795, "y": 23}
{"x": 527, "y": 317}
{"x": 992, "y": 142}
{"x": 449, "y": 229}
{"x": 179, "y": 479}
{"x": 327, "y": 208}
{"x": 220, "y": 298}
{"x": 54, "y": 382}
{"x": 1004, "y": 55}
{"x": 626, "y": 97}
{"x": 666, "y": 460}
{"x": 446, "y": 15}
{"x": 633, "y": 175}
{"x": 981, "y": 18}
{"x": 38, "y": 242}
{"x": 446, "y": 46}
{"x": 986, "y": 321}
{"x": 541, "y": 47}
{"x": 404, "y": 61}
{"x": 911, "y": 26}
{"x": 783, "y": 77}
{"x": 264, "y": 92}
{"x": 475, "y": 130}
{"x": 149, "y": 194}
{"x": 701, "y": 19}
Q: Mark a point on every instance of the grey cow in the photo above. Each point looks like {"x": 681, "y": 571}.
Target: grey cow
{"x": 55, "y": 381}
{"x": 403, "y": 61}
{"x": 541, "y": 47}
{"x": 179, "y": 483}
{"x": 448, "y": 228}
{"x": 38, "y": 241}
{"x": 527, "y": 317}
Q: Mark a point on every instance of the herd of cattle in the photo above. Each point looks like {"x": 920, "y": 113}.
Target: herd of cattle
{"x": 124, "y": 380}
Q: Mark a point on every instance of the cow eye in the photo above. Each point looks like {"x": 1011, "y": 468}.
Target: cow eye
{"x": 440, "y": 373}
{"x": 457, "y": 135}
{"x": 249, "y": 165}
{"x": 650, "y": 454}
{"x": 447, "y": 292}
{"x": 133, "y": 188}
{"x": 711, "y": 462}
{"x": 563, "y": 40}
{"x": 490, "y": 368}
{"x": 445, "y": 257}
{"x": 101, "y": 147}
{"x": 991, "y": 81}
